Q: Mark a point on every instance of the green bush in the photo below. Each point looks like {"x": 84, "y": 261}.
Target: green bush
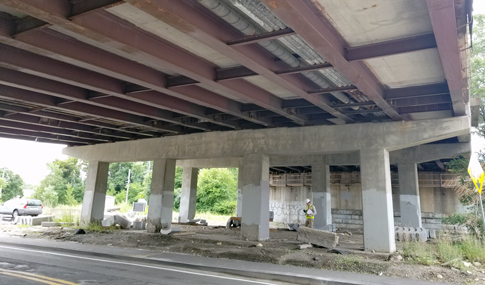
{"x": 456, "y": 218}
{"x": 225, "y": 207}
{"x": 216, "y": 187}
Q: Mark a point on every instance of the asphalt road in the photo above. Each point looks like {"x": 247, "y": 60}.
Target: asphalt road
{"x": 24, "y": 265}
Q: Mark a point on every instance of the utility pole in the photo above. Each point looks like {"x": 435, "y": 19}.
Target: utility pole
{"x": 128, "y": 186}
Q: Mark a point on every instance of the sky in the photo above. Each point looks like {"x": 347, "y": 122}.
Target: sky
{"x": 29, "y": 159}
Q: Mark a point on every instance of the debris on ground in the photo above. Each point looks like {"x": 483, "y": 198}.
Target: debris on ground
{"x": 338, "y": 251}
{"x": 282, "y": 248}
{"x": 80, "y": 232}
{"x": 318, "y": 237}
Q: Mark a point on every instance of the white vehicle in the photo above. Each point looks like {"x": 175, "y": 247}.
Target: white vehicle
{"x": 21, "y": 207}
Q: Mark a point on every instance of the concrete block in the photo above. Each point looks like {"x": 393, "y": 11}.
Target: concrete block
{"x": 411, "y": 234}
{"x": 432, "y": 234}
{"x": 108, "y": 221}
{"x": 317, "y": 237}
{"x": 356, "y": 217}
{"x": 337, "y": 221}
{"x": 37, "y": 221}
{"x": 123, "y": 222}
{"x": 48, "y": 224}
{"x": 23, "y": 220}
{"x": 138, "y": 225}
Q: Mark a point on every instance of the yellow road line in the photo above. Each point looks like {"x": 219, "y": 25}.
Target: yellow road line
{"x": 36, "y": 277}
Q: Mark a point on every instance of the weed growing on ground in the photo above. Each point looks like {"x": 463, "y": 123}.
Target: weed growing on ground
{"x": 473, "y": 250}
{"x": 98, "y": 228}
{"x": 65, "y": 214}
{"x": 420, "y": 253}
{"x": 355, "y": 264}
{"x": 445, "y": 252}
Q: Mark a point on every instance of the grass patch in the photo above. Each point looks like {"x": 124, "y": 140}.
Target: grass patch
{"x": 125, "y": 207}
{"x": 473, "y": 250}
{"x": 98, "y": 228}
{"x": 445, "y": 252}
{"x": 420, "y": 253}
{"x": 212, "y": 218}
{"x": 65, "y": 214}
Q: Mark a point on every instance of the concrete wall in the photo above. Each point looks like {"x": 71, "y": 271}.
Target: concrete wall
{"x": 436, "y": 202}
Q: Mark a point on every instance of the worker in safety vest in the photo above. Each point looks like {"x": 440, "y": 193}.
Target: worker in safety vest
{"x": 310, "y": 213}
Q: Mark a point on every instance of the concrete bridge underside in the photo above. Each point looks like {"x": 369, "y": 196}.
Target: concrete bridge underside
{"x": 368, "y": 145}
{"x": 243, "y": 83}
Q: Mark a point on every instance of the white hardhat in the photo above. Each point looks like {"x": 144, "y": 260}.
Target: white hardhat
{"x": 307, "y": 201}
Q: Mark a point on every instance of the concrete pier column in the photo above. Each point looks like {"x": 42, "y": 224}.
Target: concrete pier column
{"x": 409, "y": 195}
{"x": 255, "y": 207}
{"x": 239, "y": 190}
{"x": 321, "y": 194}
{"x": 95, "y": 192}
{"x": 189, "y": 194}
{"x": 377, "y": 200}
{"x": 160, "y": 205}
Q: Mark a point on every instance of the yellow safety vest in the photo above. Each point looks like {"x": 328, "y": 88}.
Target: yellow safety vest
{"x": 313, "y": 209}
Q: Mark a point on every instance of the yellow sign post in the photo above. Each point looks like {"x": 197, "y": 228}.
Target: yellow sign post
{"x": 476, "y": 173}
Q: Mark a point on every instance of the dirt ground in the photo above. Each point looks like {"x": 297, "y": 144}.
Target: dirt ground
{"x": 282, "y": 248}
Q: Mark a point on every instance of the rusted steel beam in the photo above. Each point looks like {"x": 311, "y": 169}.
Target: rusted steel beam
{"x": 356, "y": 104}
{"x": 330, "y": 90}
{"x": 417, "y": 91}
{"x": 425, "y": 108}
{"x": 259, "y": 37}
{"x": 421, "y": 101}
{"x": 393, "y": 47}
{"x": 185, "y": 17}
{"x": 26, "y": 24}
{"x": 174, "y": 81}
{"x": 241, "y": 72}
{"x": 18, "y": 126}
{"x": 52, "y": 44}
{"x": 89, "y": 6}
{"x": 304, "y": 18}
{"x": 104, "y": 27}
{"x": 134, "y": 88}
{"x": 30, "y": 118}
{"x": 440, "y": 164}
{"x": 233, "y": 73}
{"x": 30, "y": 137}
{"x": 41, "y": 99}
{"x": 59, "y": 71}
{"x": 443, "y": 19}
{"x": 177, "y": 60}
{"x": 303, "y": 68}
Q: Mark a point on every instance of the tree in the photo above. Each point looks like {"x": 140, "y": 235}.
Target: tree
{"x": 217, "y": 190}
{"x": 12, "y": 185}
{"x": 140, "y": 180}
{"x": 64, "y": 180}
{"x": 478, "y": 67}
